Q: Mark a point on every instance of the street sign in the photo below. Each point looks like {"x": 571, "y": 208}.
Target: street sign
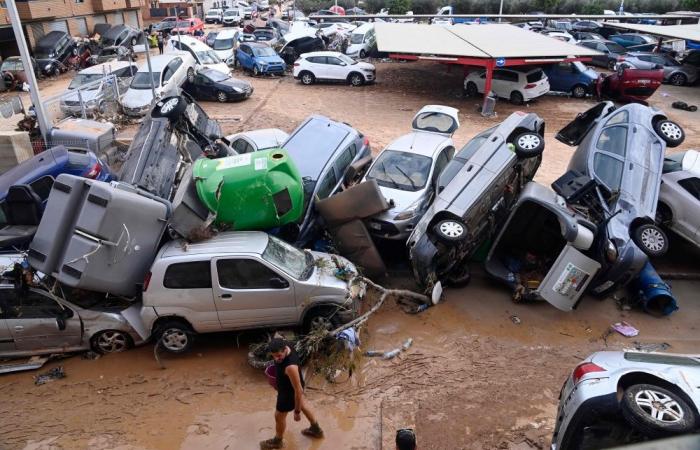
{"x": 500, "y": 62}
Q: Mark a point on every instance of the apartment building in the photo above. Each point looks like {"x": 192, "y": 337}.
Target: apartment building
{"x": 77, "y": 17}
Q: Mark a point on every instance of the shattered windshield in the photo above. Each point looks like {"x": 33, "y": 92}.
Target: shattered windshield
{"x": 288, "y": 258}
{"x": 401, "y": 170}
{"x": 436, "y": 122}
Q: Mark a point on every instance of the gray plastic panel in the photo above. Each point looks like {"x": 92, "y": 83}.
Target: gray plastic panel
{"x": 189, "y": 212}
{"x": 568, "y": 278}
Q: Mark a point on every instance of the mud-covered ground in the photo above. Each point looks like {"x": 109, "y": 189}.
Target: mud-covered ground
{"x": 473, "y": 379}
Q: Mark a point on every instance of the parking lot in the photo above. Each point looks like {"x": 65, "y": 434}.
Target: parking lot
{"x": 483, "y": 372}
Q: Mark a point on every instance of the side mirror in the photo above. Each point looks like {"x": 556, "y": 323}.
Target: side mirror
{"x": 343, "y": 64}
{"x": 278, "y": 283}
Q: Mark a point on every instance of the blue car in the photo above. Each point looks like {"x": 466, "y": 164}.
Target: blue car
{"x": 259, "y": 58}
{"x": 635, "y": 42}
{"x": 572, "y": 77}
{"x": 39, "y": 171}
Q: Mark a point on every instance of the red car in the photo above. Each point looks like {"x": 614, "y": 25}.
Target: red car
{"x": 188, "y": 26}
{"x": 629, "y": 85}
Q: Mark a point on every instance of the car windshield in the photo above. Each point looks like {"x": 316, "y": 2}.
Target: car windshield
{"x": 208, "y": 57}
{"x": 142, "y": 80}
{"x": 263, "y": 51}
{"x": 356, "y": 38}
{"x": 213, "y": 13}
{"x": 84, "y": 78}
{"x": 216, "y": 76}
{"x": 615, "y": 47}
{"x": 43, "y": 53}
{"x": 401, "y": 170}
{"x": 313, "y": 146}
{"x": 288, "y": 258}
{"x": 434, "y": 121}
{"x": 223, "y": 44}
{"x": 231, "y": 12}
{"x": 10, "y": 65}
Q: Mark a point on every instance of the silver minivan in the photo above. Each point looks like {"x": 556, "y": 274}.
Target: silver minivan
{"x": 244, "y": 280}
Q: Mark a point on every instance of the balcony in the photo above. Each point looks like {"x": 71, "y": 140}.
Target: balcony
{"x": 44, "y": 9}
{"x": 134, "y": 3}
{"x": 108, "y": 5}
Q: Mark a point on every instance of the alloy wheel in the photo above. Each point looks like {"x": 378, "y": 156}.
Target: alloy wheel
{"x": 671, "y": 130}
{"x": 677, "y": 79}
{"x": 174, "y": 339}
{"x": 221, "y": 96}
{"x": 659, "y": 406}
{"x": 169, "y": 105}
{"x": 356, "y": 80}
{"x": 112, "y": 342}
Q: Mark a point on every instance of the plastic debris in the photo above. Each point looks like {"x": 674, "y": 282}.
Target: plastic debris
{"x": 54, "y": 374}
{"x": 391, "y": 354}
{"x": 406, "y": 345}
{"x": 625, "y": 329}
{"x": 373, "y": 353}
{"x": 515, "y": 319}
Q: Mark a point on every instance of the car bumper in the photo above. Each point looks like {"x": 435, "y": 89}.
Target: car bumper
{"x": 76, "y": 110}
{"x": 629, "y": 263}
{"x": 239, "y": 95}
{"x": 534, "y": 93}
{"x": 370, "y": 77}
{"x": 589, "y": 400}
{"x": 395, "y": 230}
{"x": 272, "y": 69}
{"x": 211, "y": 20}
{"x": 423, "y": 255}
{"x": 137, "y": 111}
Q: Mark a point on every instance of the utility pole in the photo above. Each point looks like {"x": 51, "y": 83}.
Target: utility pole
{"x": 500, "y": 11}
{"x": 41, "y": 117}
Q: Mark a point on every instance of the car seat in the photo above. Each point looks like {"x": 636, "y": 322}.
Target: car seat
{"x": 22, "y": 208}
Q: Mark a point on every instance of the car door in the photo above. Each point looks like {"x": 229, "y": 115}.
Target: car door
{"x": 39, "y": 323}
{"x": 336, "y": 69}
{"x": 202, "y": 87}
{"x": 689, "y": 195}
{"x": 244, "y": 56}
{"x": 7, "y": 341}
{"x": 249, "y": 293}
{"x": 317, "y": 66}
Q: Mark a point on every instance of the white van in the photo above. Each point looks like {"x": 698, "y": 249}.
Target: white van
{"x": 225, "y": 45}
{"x": 362, "y": 41}
{"x": 203, "y": 55}
{"x": 214, "y": 16}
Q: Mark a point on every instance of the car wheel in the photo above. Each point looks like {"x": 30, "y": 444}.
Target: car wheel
{"x": 472, "y": 90}
{"x": 356, "y": 79}
{"x": 256, "y": 71}
{"x": 56, "y": 71}
{"x": 236, "y": 63}
{"x": 363, "y": 54}
{"x": 516, "y": 98}
{"x": 170, "y": 107}
{"x": 655, "y": 411}
{"x": 133, "y": 41}
{"x": 459, "y": 276}
{"x": 670, "y": 132}
{"x": 579, "y": 91}
{"x": 221, "y": 96}
{"x": 190, "y": 75}
{"x": 678, "y": 79}
{"x": 611, "y": 64}
{"x": 528, "y": 145}
{"x": 450, "y": 230}
{"x": 175, "y": 337}
{"x": 651, "y": 239}
{"x": 321, "y": 319}
{"x": 307, "y": 78}
{"x": 110, "y": 341}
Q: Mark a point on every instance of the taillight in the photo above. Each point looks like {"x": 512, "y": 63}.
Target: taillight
{"x": 620, "y": 58}
{"x": 94, "y": 171}
{"x": 366, "y": 141}
{"x": 146, "y": 281}
{"x": 530, "y": 86}
{"x": 585, "y": 368}
{"x": 296, "y": 64}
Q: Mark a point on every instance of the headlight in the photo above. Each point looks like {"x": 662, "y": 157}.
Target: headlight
{"x": 237, "y": 89}
{"x": 611, "y": 253}
{"x": 263, "y": 63}
{"x": 408, "y": 213}
{"x": 47, "y": 67}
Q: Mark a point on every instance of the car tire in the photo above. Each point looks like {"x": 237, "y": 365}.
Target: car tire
{"x": 363, "y": 54}
{"x": 356, "y": 79}
{"x": 175, "y": 336}
{"x": 516, "y": 98}
{"x": 678, "y": 79}
{"x": 56, "y": 71}
{"x": 471, "y": 90}
{"x": 110, "y": 341}
{"x": 642, "y": 404}
{"x": 670, "y": 132}
{"x": 651, "y": 240}
{"x": 236, "y": 63}
{"x": 190, "y": 75}
{"x": 307, "y": 78}
{"x": 450, "y": 230}
{"x": 579, "y": 91}
{"x": 256, "y": 71}
{"x": 459, "y": 276}
{"x": 611, "y": 64}
{"x": 528, "y": 145}
{"x": 323, "y": 318}
{"x": 170, "y": 107}
{"x": 221, "y": 97}
{"x": 134, "y": 41}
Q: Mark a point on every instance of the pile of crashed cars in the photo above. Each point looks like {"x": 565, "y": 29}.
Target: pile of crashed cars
{"x": 199, "y": 232}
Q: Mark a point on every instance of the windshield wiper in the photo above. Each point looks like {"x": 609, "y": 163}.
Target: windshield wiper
{"x": 396, "y": 185}
{"x": 407, "y": 177}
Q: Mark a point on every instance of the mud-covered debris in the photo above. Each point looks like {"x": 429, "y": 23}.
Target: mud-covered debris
{"x": 515, "y": 319}
{"x": 54, "y": 374}
{"x": 625, "y": 329}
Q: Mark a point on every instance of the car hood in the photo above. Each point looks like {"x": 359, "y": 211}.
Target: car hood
{"x": 324, "y": 281}
{"x": 224, "y": 54}
{"x": 364, "y": 66}
{"x": 273, "y": 59}
{"x": 590, "y": 73}
{"x": 221, "y": 67}
{"x": 399, "y": 199}
{"x": 137, "y": 98}
{"x": 234, "y": 83}
{"x": 72, "y": 95}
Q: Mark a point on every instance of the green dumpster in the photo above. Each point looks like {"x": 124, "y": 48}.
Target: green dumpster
{"x": 252, "y": 191}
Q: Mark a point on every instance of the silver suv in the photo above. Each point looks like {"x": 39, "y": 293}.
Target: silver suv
{"x": 243, "y": 280}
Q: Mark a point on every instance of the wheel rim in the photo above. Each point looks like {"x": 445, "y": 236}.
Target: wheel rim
{"x": 671, "y": 130}
{"x": 321, "y": 323}
{"x": 529, "y": 141}
{"x": 659, "y": 406}
{"x": 677, "y": 80}
{"x": 255, "y": 70}
{"x": 190, "y": 76}
{"x": 355, "y": 80}
{"x": 222, "y": 97}
{"x": 653, "y": 239}
{"x": 112, "y": 342}
{"x": 174, "y": 339}
{"x": 579, "y": 91}
{"x": 306, "y": 79}
{"x": 451, "y": 229}
{"x": 169, "y": 106}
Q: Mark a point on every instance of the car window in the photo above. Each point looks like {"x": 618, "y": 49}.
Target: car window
{"x": 652, "y": 358}
{"x": 344, "y": 159}
{"x": 30, "y": 305}
{"x": 334, "y": 61}
{"x": 613, "y": 140}
{"x": 659, "y": 60}
{"x": 564, "y": 67}
{"x": 317, "y": 59}
{"x": 620, "y": 117}
{"x": 327, "y": 185}
{"x": 692, "y": 185}
{"x": 244, "y": 274}
{"x": 608, "y": 170}
{"x": 189, "y": 275}
{"x": 534, "y": 76}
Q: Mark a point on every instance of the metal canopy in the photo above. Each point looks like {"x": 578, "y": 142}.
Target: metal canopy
{"x": 686, "y": 32}
{"x": 472, "y": 41}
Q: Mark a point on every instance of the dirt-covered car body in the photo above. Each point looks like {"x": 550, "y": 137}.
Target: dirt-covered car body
{"x": 644, "y": 395}
{"x": 475, "y": 192}
{"x": 679, "y": 197}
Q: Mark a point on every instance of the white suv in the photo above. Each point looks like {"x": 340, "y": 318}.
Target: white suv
{"x": 518, "y": 86}
{"x": 332, "y": 66}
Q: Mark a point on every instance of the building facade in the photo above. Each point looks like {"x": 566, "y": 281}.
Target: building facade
{"x": 77, "y": 17}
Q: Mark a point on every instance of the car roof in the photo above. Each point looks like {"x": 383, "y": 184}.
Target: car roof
{"x": 264, "y": 138}
{"x": 227, "y": 34}
{"x": 226, "y": 243}
{"x": 158, "y": 62}
{"x": 365, "y": 27}
{"x": 256, "y": 44}
{"x": 321, "y": 53}
{"x": 107, "y": 67}
{"x": 191, "y": 42}
{"x": 420, "y": 143}
{"x": 49, "y": 39}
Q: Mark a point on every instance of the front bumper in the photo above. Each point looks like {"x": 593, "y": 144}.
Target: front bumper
{"x": 423, "y": 257}
{"x": 76, "y": 110}
{"x": 137, "y": 111}
{"x": 272, "y": 69}
{"x": 396, "y": 230}
{"x": 240, "y": 95}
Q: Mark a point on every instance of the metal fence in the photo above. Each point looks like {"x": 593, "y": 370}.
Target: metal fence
{"x": 94, "y": 100}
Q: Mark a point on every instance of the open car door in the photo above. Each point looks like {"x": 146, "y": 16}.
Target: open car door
{"x": 573, "y": 133}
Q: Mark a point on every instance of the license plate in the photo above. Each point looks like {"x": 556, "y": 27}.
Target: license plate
{"x": 643, "y": 81}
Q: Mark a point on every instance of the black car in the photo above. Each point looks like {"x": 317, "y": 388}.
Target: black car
{"x": 165, "y": 26}
{"x": 586, "y": 25}
{"x": 122, "y": 36}
{"x": 52, "y": 51}
{"x": 290, "y": 51}
{"x": 210, "y": 84}
{"x": 692, "y": 58}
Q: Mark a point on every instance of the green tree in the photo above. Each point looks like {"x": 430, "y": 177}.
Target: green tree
{"x": 399, "y": 6}
{"x": 546, "y": 5}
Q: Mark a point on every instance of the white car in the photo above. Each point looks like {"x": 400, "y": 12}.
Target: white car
{"x": 263, "y": 5}
{"x": 256, "y": 140}
{"x": 332, "y": 66}
{"x": 362, "y": 40}
{"x": 214, "y": 16}
{"x": 679, "y": 195}
{"x": 203, "y": 55}
{"x": 170, "y": 72}
{"x": 225, "y": 45}
{"x": 561, "y": 35}
{"x": 232, "y": 17}
{"x": 407, "y": 170}
{"x": 517, "y": 85}
{"x": 633, "y": 396}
